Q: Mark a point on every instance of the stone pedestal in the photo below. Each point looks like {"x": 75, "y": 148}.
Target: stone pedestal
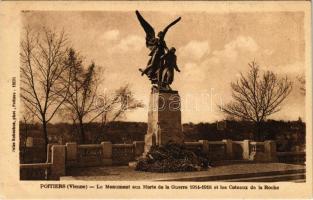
{"x": 164, "y": 119}
{"x": 270, "y": 150}
{"x": 246, "y": 150}
{"x": 58, "y": 162}
{"x": 229, "y": 148}
{"x": 71, "y": 151}
{"x": 106, "y": 153}
{"x": 139, "y": 147}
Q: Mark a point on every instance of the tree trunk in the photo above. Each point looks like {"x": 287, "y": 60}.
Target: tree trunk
{"x": 82, "y": 131}
{"x": 258, "y": 131}
{"x": 45, "y": 137}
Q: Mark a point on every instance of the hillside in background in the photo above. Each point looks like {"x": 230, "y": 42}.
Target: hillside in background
{"x": 127, "y": 132}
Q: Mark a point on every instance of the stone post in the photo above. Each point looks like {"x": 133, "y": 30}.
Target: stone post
{"x": 71, "y": 151}
{"x": 270, "y": 150}
{"x": 58, "y": 162}
{"x": 107, "y": 153}
{"x": 139, "y": 147}
{"x": 246, "y": 149}
{"x": 229, "y": 148}
{"x": 49, "y": 153}
{"x": 205, "y": 146}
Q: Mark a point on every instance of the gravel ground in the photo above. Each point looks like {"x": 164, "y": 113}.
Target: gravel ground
{"x": 125, "y": 173}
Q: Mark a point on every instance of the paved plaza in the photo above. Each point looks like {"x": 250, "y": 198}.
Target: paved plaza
{"x": 239, "y": 172}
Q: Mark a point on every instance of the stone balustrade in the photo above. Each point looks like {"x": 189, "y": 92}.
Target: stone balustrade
{"x": 60, "y": 157}
{"x": 236, "y": 150}
{"x": 51, "y": 170}
{"x": 292, "y": 157}
{"x": 36, "y": 171}
{"x": 103, "y": 154}
{"x": 263, "y": 151}
{"x": 88, "y": 155}
{"x": 123, "y": 153}
{"x": 193, "y": 146}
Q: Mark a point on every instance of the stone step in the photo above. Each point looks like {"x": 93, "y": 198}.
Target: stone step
{"x": 230, "y": 162}
{"x": 273, "y": 178}
{"x": 237, "y": 176}
{"x": 295, "y": 173}
{"x": 299, "y": 181}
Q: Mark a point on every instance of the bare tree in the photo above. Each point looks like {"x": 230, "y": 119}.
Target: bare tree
{"x": 257, "y": 96}
{"x": 301, "y": 80}
{"x": 42, "y": 64}
{"x": 83, "y": 105}
{"x": 113, "y": 108}
{"x": 83, "y": 85}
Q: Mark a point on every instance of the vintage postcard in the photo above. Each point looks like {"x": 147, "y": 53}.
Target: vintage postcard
{"x": 155, "y": 99}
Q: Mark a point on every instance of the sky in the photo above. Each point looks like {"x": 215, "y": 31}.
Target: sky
{"x": 212, "y": 50}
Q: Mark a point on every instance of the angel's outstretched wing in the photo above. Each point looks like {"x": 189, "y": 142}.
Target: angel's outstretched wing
{"x": 150, "y": 34}
{"x": 170, "y": 25}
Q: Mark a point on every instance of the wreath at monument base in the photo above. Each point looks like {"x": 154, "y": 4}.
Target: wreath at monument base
{"x": 172, "y": 158}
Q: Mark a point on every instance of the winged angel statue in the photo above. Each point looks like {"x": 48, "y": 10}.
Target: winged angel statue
{"x": 162, "y": 62}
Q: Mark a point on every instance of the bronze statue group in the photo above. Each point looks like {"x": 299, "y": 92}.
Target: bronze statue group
{"x": 162, "y": 62}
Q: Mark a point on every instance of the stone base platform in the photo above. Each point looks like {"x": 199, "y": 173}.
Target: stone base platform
{"x": 242, "y": 172}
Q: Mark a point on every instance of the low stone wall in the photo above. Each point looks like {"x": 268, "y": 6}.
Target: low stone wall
{"x": 236, "y": 150}
{"x": 263, "y": 151}
{"x": 106, "y": 153}
{"x": 215, "y": 150}
{"x": 292, "y": 157}
{"x": 37, "y": 171}
{"x": 51, "y": 170}
{"x": 194, "y": 146}
{"x": 60, "y": 157}
{"x": 123, "y": 153}
{"x": 34, "y": 154}
{"x": 88, "y": 155}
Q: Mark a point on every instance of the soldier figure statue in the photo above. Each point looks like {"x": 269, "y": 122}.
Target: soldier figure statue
{"x": 162, "y": 62}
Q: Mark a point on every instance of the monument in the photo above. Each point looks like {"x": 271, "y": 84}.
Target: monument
{"x": 164, "y": 115}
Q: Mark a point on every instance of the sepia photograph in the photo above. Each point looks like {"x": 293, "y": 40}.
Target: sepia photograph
{"x": 173, "y": 98}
